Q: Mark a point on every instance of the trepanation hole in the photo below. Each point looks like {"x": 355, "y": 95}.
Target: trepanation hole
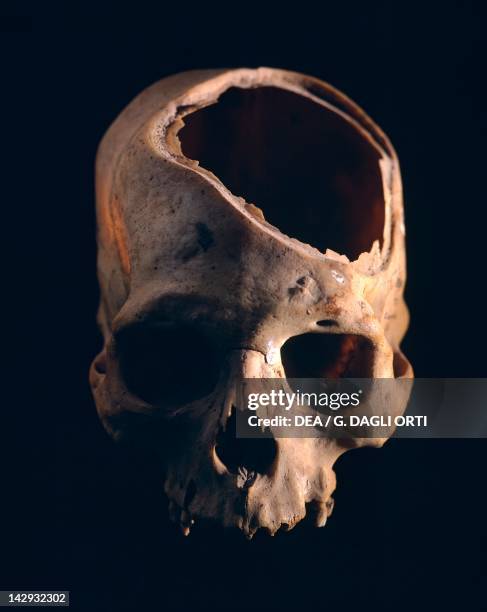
{"x": 315, "y": 177}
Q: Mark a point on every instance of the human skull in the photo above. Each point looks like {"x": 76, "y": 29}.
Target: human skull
{"x": 250, "y": 225}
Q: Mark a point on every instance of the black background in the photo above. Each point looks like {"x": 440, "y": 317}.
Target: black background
{"x": 78, "y": 512}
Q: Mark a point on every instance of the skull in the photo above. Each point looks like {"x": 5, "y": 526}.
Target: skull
{"x": 250, "y": 225}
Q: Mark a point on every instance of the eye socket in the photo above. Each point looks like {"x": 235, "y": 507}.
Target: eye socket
{"x": 166, "y": 364}
{"x": 327, "y": 356}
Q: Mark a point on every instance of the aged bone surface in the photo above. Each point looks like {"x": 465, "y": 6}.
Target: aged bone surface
{"x": 250, "y": 224}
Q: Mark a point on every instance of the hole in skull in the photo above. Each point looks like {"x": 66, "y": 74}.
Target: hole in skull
{"x": 168, "y": 365}
{"x": 100, "y": 363}
{"x": 247, "y": 456}
{"x": 400, "y": 364}
{"x": 327, "y": 356}
{"x": 312, "y": 173}
{"x": 327, "y": 323}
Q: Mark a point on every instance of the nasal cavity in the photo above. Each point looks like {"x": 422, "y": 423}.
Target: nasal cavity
{"x": 250, "y": 456}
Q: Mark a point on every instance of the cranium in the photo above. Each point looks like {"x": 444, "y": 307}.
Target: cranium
{"x": 250, "y": 224}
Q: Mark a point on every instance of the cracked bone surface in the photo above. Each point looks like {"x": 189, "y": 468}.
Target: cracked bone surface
{"x": 250, "y": 225}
